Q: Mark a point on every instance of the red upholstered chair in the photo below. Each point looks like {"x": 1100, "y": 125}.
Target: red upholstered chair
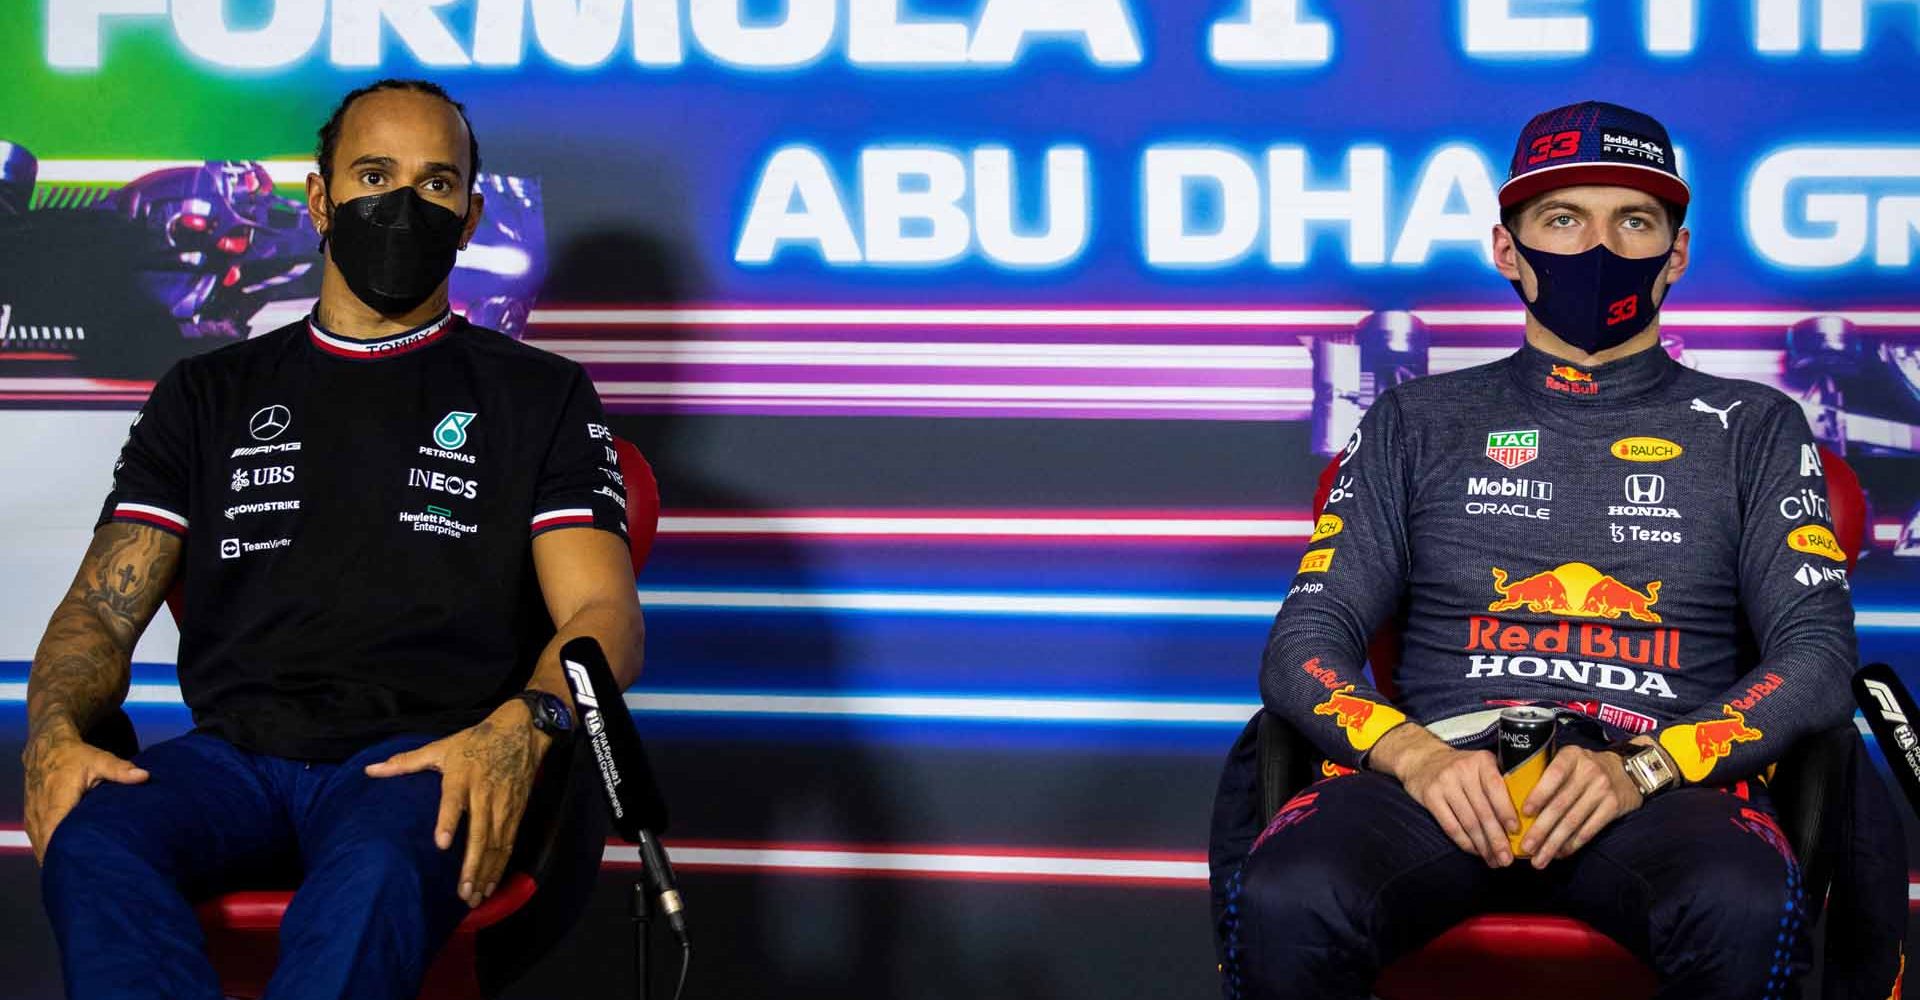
{"x": 1581, "y": 962}
{"x": 555, "y": 860}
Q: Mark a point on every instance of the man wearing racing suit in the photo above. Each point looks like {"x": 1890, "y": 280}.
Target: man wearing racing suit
{"x": 1585, "y": 524}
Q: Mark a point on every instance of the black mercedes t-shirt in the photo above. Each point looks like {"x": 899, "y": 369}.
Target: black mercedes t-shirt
{"x": 358, "y": 520}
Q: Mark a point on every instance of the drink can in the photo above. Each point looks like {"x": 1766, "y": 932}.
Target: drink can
{"x": 1526, "y": 744}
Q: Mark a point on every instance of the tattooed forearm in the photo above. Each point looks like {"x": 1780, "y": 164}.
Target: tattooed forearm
{"x": 80, "y": 669}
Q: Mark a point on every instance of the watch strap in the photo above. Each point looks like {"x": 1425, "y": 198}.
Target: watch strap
{"x": 1646, "y": 767}
{"x": 549, "y": 713}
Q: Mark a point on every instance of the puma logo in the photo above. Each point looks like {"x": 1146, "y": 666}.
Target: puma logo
{"x": 1700, "y": 406}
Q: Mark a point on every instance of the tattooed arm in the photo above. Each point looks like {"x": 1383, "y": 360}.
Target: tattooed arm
{"x": 487, "y": 772}
{"x": 80, "y": 670}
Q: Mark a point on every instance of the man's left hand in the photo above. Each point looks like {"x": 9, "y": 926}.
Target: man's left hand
{"x": 486, "y": 772}
{"x": 1578, "y": 795}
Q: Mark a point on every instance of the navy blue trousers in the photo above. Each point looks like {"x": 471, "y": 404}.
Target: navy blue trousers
{"x": 1352, "y": 873}
{"x": 377, "y": 898}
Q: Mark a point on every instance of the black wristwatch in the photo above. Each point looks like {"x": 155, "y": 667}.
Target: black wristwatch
{"x": 551, "y": 715}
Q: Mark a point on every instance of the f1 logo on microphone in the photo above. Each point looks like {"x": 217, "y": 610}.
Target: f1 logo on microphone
{"x": 582, "y": 685}
{"x": 1883, "y": 696}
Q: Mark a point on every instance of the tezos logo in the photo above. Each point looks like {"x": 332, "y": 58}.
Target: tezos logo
{"x": 451, "y": 432}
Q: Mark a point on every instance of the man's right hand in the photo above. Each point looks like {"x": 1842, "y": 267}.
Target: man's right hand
{"x": 61, "y": 767}
{"x": 1461, "y": 788}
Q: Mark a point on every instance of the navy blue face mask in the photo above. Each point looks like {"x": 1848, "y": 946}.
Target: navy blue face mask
{"x": 1595, "y": 299}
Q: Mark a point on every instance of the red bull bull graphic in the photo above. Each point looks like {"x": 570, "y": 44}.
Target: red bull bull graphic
{"x": 1568, "y": 379}
{"x": 1513, "y": 449}
{"x": 1698, "y": 746}
{"x": 1364, "y": 721}
{"x": 1575, "y": 590}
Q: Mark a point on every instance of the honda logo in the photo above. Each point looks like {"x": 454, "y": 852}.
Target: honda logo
{"x": 1646, "y": 488}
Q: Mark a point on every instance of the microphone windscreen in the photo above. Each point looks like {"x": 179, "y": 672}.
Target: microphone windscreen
{"x": 618, "y": 755}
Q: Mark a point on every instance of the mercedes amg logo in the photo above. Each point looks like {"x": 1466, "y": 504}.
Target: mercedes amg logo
{"x": 269, "y": 422}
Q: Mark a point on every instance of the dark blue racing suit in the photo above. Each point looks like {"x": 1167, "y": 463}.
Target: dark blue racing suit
{"x": 1642, "y": 545}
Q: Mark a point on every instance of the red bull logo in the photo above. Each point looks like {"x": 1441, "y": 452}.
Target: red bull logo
{"x": 1348, "y": 712}
{"x": 1576, "y": 590}
{"x": 1697, "y": 747}
{"x": 1566, "y": 378}
{"x": 1363, "y": 721}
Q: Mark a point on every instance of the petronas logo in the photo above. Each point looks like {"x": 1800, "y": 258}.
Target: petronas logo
{"x": 451, "y": 432}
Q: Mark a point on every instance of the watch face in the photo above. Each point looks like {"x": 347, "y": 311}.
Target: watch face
{"x": 562, "y": 716}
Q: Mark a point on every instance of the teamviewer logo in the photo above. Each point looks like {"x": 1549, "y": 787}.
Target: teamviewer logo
{"x": 229, "y": 548}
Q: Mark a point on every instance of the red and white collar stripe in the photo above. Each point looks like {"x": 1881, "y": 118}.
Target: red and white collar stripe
{"x": 384, "y": 347}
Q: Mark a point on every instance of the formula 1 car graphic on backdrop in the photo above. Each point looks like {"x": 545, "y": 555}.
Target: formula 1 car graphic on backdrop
{"x": 122, "y": 281}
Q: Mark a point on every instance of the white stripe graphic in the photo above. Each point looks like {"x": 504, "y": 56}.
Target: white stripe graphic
{"x": 1005, "y": 355}
{"x": 159, "y": 512}
{"x": 802, "y": 859}
{"x": 291, "y": 173}
{"x": 1123, "y": 605}
{"x": 949, "y": 708}
{"x": 1039, "y": 866}
{"x": 932, "y": 707}
{"x": 749, "y": 316}
{"x": 937, "y": 393}
{"x": 1006, "y": 527}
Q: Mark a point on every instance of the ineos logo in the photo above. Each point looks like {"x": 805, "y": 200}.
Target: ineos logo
{"x": 1646, "y": 489}
{"x": 269, "y": 422}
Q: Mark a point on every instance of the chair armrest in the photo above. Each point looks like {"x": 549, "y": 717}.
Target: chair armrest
{"x": 1286, "y": 763}
{"x": 562, "y": 838}
{"x": 1809, "y": 783}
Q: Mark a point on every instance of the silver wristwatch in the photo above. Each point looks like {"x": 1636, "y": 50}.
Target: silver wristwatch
{"x": 1646, "y": 767}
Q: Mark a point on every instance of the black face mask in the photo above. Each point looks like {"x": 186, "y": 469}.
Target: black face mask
{"x": 394, "y": 249}
{"x": 1593, "y": 300}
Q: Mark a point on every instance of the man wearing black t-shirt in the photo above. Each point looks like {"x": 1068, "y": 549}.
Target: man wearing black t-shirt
{"x": 372, "y": 515}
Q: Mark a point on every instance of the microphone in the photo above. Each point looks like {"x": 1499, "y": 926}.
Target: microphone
{"x": 632, "y": 796}
{"x": 1891, "y": 715}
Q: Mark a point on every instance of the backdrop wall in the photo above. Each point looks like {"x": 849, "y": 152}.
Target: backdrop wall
{"x": 985, "y": 349}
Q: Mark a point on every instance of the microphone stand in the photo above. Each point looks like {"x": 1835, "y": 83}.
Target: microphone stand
{"x": 641, "y": 910}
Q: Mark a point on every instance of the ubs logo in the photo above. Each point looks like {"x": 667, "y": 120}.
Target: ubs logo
{"x": 1646, "y": 488}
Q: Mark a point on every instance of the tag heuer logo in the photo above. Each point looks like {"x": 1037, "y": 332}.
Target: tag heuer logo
{"x": 451, "y": 432}
{"x": 1513, "y": 449}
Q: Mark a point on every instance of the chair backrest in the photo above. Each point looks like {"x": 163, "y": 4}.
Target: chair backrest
{"x": 643, "y": 518}
{"x": 1847, "y": 503}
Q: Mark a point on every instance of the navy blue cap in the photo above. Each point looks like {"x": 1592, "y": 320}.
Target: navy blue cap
{"x": 1593, "y": 142}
